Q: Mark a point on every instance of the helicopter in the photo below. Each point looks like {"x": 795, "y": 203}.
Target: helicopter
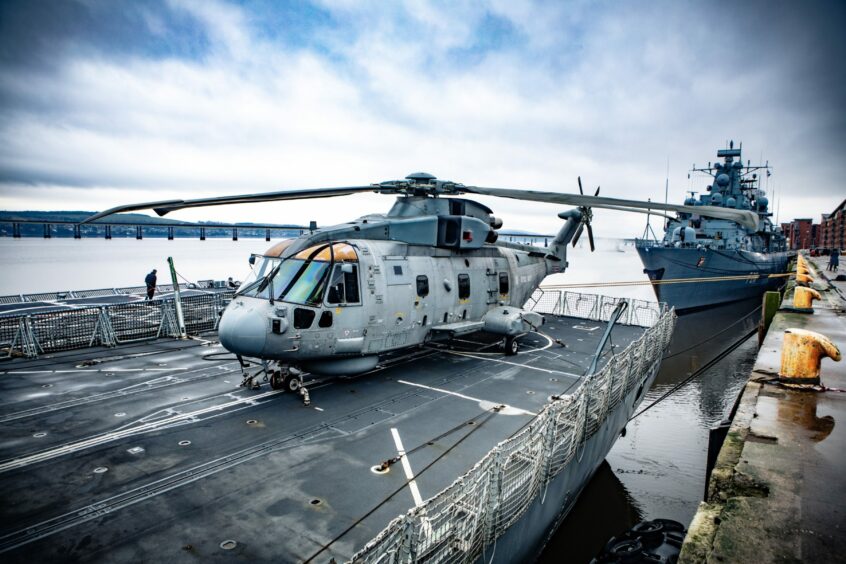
{"x": 335, "y": 300}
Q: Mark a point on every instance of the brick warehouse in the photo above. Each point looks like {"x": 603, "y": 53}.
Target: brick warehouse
{"x": 833, "y": 228}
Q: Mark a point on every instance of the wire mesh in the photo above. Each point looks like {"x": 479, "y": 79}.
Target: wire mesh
{"x": 109, "y": 324}
{"x": 459, "y": 522}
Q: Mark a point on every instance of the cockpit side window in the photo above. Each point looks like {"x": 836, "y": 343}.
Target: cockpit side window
{"x": 343, "y": 286}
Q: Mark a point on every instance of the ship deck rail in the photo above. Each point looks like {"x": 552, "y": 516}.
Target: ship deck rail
{"x": 49, "y": 327}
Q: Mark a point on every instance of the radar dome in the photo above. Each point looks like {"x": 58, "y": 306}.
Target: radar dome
{"x": 718, "y": 166}
{"x": 722, "y": 180}
{"x": 690, "y": 201}
{"x": 738, "y": 164}
{"x": 731, "y": 202}
{"x": 716, "y": 199}
{"x": 763, "y": 202}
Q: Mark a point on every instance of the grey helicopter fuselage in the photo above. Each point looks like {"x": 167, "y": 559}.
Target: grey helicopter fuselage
{"x": 334, "y": 300}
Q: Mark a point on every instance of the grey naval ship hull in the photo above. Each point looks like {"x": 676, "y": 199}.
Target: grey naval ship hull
{"x": 152, "y": 452}
{"x": 670, "y": 263}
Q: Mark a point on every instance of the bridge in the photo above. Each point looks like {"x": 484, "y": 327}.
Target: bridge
{"x": 105, "y": 229}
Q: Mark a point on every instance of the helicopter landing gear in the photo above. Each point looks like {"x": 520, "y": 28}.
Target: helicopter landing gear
{"x": 286, "y": 378}
{"x": 511, "y": 346}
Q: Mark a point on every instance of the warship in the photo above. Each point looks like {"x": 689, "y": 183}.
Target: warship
{"x": 122, "y": 441}
{"x": 703, "y": 261}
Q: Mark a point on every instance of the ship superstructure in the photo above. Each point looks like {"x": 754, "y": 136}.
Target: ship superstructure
{"x": 728, "y": 261}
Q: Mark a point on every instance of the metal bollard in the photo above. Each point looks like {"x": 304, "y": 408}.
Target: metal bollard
{"x": 804, "y": 279}
{"x": 802, "y": 269}
{"x": 804, "y": 297}
{"x": 801, "y": 355}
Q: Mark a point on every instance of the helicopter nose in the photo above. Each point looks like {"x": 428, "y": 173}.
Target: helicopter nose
{"x": 243, "y": 328}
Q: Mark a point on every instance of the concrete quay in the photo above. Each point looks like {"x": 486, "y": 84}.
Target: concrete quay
{"x": 778, "y": 490}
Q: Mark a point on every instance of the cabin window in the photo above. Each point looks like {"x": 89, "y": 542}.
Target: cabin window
{"x": 397, "y": 270}
{"x": 303, "y": 318}
{"x": 325, "y": 319}
{"x": 343, "y": 287}
{"x": 463, "y": 286}
{"x": 503, "y": 282}
{"x": 422, "y": 286}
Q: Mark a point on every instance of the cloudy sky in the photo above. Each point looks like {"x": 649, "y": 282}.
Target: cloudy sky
{"x": 105, "y": 102}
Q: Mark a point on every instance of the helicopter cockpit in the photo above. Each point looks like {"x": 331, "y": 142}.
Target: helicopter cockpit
{"x": 304, "y": 277}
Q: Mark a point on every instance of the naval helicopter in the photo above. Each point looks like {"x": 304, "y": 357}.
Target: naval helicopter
{"x": 335, "y": 300}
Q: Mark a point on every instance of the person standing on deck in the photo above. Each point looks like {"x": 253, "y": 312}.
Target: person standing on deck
{"x": 834, "y": 259}
{"x": 150, "y": 280}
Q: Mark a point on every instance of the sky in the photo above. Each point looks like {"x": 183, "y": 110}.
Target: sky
{"x": 108, "y": 102}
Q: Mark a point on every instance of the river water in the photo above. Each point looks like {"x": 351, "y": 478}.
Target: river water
{"x": 656, "y": 471}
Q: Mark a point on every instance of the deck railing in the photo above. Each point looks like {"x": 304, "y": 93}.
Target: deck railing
{"x": 29, "y": 335}
{"x": 458, "y": 523}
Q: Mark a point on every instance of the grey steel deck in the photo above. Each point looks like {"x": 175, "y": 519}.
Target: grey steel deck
{"x": 96, "y": 464}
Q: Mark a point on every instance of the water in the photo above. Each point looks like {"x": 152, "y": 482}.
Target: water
{"x": 43, "y": 265}
{"x": 656, "y": 470}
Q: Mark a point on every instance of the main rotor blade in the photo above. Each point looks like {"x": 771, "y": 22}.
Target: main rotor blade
{"x": 590, "y": 238}
{"x": 166, "y": 206}
{"x": 744, "y": 217}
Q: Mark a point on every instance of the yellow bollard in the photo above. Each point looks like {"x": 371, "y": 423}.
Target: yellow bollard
{"x": 802, "y": 269}
{"x": 801, "y": 355}
{"x": 804, "y": 297}
{"x": 804, "y": 279}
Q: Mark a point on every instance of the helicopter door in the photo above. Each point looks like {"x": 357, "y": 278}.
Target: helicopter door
{"x": 399, "y": 301}
{"x": 494, "y": 276}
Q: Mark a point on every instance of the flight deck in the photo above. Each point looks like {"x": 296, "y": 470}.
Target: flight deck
{"x": 153, "y": 450}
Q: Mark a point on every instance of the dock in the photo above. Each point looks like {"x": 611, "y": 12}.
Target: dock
{"x": 777, "y": 492}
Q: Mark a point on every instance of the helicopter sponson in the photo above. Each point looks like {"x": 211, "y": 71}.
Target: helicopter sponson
{"x": 336, "y": 299}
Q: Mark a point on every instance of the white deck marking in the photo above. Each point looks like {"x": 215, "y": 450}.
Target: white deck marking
{"x": 319, "y": 408}
{"x": 513, "y": 363}
{"x": 134, "y": 428}
{"x": 406, "y": 466}
{"x": 508, "y": 410}
{"x": 93, "y": 370}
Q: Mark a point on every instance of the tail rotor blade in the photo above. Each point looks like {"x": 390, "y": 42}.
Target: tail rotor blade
{"x": 582, "y": 192}
{"x": 578, "y": 234}
{"x": 590, "y": 237}
{"x": 597, "y": 191}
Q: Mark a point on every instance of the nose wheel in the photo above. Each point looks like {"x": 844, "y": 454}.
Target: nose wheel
{"x": 286, "y": 379}
{"x": 511, "y": 346}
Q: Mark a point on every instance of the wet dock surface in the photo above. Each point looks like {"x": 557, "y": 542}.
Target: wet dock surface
{"x": 777, "y": 491}
{"x": 154, "y": 451}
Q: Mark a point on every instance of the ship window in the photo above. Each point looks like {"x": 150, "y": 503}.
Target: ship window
{"x": 325, "y": 319}
{"x": 422, "y": 286}
{"x": 463, "y": 286}
{"x": 503, "y": 282}
{"x": 303, "y": 318}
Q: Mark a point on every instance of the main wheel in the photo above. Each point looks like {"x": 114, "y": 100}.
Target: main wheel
{"x": 511, "y": 346}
